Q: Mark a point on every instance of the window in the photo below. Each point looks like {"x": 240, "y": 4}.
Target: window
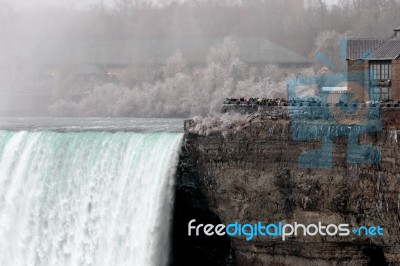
{"x": 381, "y": 93}
{"x": 380, "y": 70}
{"x": 380, "y": 79}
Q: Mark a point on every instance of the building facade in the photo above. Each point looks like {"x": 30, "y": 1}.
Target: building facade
{"x": 374, "y": 64}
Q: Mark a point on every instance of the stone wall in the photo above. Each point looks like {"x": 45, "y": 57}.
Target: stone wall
{"x": 265, "y": 112}
{"x": 388, "y": 112}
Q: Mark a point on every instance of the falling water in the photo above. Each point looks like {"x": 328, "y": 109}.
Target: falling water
{"x": 86, "y": 198}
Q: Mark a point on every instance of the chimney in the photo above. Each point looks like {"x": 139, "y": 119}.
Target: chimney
{"x": 397, "y": 32}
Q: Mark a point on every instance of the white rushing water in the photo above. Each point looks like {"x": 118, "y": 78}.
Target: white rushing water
{"x": 86, "y": 198}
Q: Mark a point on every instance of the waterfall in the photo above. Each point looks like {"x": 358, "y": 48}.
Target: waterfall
{"x": 86, "y": 198}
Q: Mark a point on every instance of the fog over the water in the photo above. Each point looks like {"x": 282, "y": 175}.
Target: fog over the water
{"x": 168, "y": 58}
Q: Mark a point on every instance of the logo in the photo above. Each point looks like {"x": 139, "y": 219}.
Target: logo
{"x": 318, "y": 117}
{"x": 281, "y": 230}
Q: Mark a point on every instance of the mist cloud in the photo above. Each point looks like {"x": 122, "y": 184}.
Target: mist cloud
{"x": 58, "y": 53}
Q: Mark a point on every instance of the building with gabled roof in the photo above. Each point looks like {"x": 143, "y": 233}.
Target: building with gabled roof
{"x": 375, "y": 64}
{"x": 359, "y": 47}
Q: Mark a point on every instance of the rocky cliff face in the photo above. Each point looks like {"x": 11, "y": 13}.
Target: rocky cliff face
{"x": 253, "y": 175}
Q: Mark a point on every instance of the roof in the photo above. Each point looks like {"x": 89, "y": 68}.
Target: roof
{"x": 257, "y": 50}
{"x": 388, "y": 51}
{"x": 356, "y": 48}
{"x": 124, "y": 52}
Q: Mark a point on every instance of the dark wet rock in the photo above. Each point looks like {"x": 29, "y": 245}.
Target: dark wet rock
{"x": 253, "y": 175}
